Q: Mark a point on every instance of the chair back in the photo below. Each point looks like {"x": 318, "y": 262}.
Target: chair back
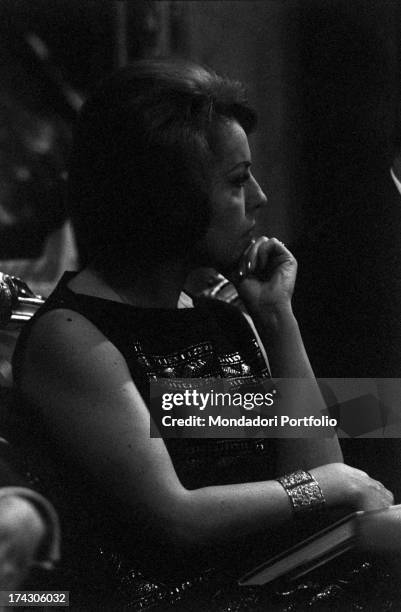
{"x": 17, "y": 305}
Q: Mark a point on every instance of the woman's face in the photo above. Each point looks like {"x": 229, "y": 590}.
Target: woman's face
{"x": 236, "y": 197}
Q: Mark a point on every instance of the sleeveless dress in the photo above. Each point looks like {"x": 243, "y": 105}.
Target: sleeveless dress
{"x": 213, "y": 339}
{"x": 104, "y": 562}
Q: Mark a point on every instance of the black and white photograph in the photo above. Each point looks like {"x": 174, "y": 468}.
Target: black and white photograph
{"x": 200, "y": 305}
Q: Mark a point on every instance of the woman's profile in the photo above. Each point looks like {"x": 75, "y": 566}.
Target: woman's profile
{"x": 160, "y": 183}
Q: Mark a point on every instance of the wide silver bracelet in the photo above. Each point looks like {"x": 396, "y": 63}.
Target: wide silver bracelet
{"x": 303, "y": 491}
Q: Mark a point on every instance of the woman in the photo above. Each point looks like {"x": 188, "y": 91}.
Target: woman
{"x": 161, "y": 183}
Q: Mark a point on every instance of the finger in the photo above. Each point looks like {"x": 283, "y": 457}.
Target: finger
{"x": 257, "y": 255}
{"x": 269, "y": 253}
{"x": 279, "y": 246}
{"x": 243, "y": 267}
{"x": 254, "y": 257}
{"x": 387, "y": 495}
{"x": 253, "y": 254}
{"x": 380, "y": 485}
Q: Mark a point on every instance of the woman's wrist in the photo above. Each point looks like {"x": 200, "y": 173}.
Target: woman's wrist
{"x": 274, "y": 319}
{"x": 341, "y": 489}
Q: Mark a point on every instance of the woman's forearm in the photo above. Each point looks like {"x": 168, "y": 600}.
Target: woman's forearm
{"x": 279, "y": 331}
{"x": 205, "y": 518}
{"x": 228, "y": 513}
{"x": 280, "y": 334}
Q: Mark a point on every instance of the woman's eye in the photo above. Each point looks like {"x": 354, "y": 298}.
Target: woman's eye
{"x": 240, "y": 181}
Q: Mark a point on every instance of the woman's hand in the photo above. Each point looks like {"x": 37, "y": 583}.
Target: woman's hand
{"x": 343, "y": 485}
{"x": 266, "y": 274}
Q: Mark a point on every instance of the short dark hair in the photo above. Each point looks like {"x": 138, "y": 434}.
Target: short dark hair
{"x": 138, "y": 170}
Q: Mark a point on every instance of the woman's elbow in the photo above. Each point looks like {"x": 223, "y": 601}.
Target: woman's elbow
{"x": 182, "y": 527}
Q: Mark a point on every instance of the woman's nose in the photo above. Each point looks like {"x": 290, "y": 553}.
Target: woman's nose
{"x": 256, "y": 196}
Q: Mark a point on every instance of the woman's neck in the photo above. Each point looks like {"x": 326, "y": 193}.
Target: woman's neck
{"x": 159, "y": 287}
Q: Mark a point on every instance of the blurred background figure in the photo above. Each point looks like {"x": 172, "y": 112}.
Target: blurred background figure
{"x": 51, "y": 54}
{"x": 29, "y": 527}
{"x": 36, "y": 110}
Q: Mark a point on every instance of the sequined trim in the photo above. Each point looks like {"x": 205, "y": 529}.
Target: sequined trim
{"x": 196, "y": 361}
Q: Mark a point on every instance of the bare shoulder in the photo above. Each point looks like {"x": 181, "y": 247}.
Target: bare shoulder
{"x": 80, "y": 384}
{"x": 66, "y": 333}
{"x": 65, "y": 346}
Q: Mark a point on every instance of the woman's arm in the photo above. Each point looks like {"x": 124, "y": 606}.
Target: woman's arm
{"x": 265, "y": 283}
{"x": 83, "y": 387}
